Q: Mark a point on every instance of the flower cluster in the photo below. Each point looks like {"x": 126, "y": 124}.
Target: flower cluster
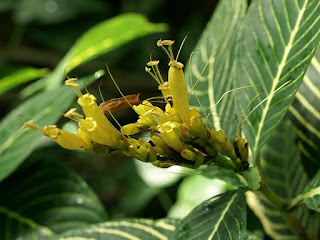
{"x": 179, "y": 135}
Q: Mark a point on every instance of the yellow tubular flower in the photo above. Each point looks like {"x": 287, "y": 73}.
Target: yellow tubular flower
{"x": 142, "y": 108}
{"x": 96, "y": 124}
{"x": 87, "y": 139}
{"x": 173, "y": 114}
{"x": 179, "y": 93}
{"x": 64, "y": 139}
{"x": 170, "y": 136}
{"x": 164, "y": 88}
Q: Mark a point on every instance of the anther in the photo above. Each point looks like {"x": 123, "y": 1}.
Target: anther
{"x": 165, "y": 43}
{"x": 73, "y": 115}
{"x": 153, "y": 63}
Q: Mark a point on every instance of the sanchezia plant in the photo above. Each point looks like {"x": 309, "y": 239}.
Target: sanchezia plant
{"x": 179, "y": 136}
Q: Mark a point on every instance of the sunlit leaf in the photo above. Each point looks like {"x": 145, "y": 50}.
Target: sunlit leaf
{"x": 101, "y": 39}
{"x": 221, "y": 217}
{"x": 278, "y": 41}
{"x": 45, "y": 109}
{"x": 21, "y": 76}
{"x": 216, "y": 49}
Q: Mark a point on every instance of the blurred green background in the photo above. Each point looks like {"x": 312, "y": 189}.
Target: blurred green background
{"x": 38, "y": 33}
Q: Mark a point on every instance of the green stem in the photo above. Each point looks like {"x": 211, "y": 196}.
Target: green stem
{"x": 165, "y": 199}
{"x": 281, "y": 204}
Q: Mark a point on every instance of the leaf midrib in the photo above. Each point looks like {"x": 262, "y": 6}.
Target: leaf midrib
{"x": 277, "y": 77}
{"x": 222, "y": 217}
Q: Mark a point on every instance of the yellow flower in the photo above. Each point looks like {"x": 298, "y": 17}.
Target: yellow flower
{"x": 64, "y": 139}
{"x": 96, "y": 125}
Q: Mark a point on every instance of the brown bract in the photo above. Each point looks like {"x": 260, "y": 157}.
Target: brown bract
{"x": 116, "y": 104}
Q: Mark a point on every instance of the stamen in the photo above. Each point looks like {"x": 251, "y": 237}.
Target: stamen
{"x": 153, "y": 63}
{"x": 114, "y": 82}
{"x": 181, "y": 46}
{"x": 72, "y": 83}
{"x": 148, "y": 70}
{"x": 73, "y": 115}
{"x": 109, "y": 109}
{"x": 31, "y": 124}
{"x": 162, "y": 43}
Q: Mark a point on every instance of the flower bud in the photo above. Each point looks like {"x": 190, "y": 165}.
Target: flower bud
{"x": 198, "y": 129}
{"x": 221, "y": 143}
{"x": 188, "y": 154}
{"x": 140, "y": 150}
{"x": 241, "y": 149}
{"x": 142, "y": 108}
{"x": 164, "y": 88}
{"x": 130, "y": 129}
{"x": 172, "y": 113}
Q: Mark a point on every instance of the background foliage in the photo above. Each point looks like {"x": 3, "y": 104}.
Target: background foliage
{"x": 49, "y": 192}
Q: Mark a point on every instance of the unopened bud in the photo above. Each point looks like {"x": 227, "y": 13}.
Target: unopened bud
{"x": 130, "y": 129}
{"x": 222, "y": 144}
{"x": 189, "y": 155}
{"x": 197, "y": 126}
{"x": 184, "y": 134}
{"x": 241, "y": 149}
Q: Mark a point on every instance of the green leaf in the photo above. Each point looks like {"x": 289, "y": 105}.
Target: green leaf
{"x": 305, "y": 115}
{"x": 277, "y": 43}
{"x": 21, "y": 76}
{"x": 216, "y": 49}
{"x": 311, "y": 193}
{"x": 132, "y": 229}
{"x": 220, "y": 173}
{"x": 280, "y": 161}
{"x": 101, "y": 39}
{"x": 252, "y": 177}
{"x": 45, "y": 198}
{"x": 45, "y": 109}
{"x": 223, "y": 216}
{"x": 186, "y": 201}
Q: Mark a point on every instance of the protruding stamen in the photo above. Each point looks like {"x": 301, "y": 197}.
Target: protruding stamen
{"x": 153, "y": 63}
{"x": 73, "y": 115}
{"x": 72, "y": 83}
{"x": 163, "y": 43}
{"x": 148, "y": 70}
{"x": 181, "y": 47}
{"x": 31, "y": 124}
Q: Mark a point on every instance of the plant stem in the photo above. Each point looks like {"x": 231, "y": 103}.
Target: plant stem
{"x": 281, "y": 205}
{"x": 165, "y": 199}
